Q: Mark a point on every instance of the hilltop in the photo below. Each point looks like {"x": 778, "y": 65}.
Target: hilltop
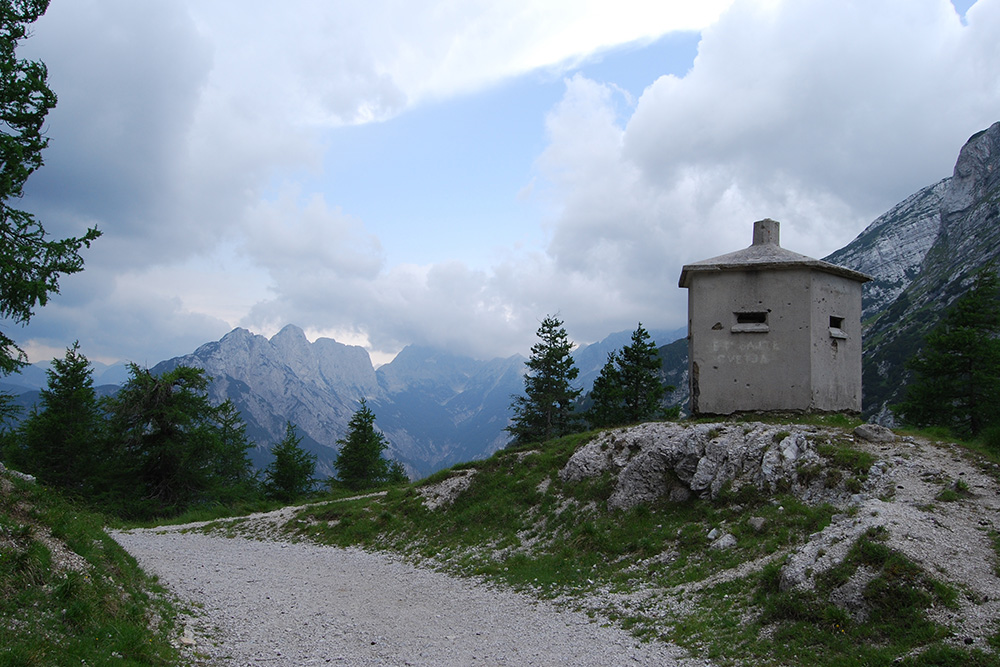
{"x": 744, "y": 542}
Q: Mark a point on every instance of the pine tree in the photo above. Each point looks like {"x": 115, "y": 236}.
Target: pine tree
{"x": 607, "y": 395}
{"x": 30, "y": 263}
{"x": 639, "y": 366}
{"x": 956, "y": 376}
{"x": 546, "y": 409}
{"x": 628, "y": 390}
{"x": 234, "y": 473}
{"x": 359, "y": 463}
{"x": 164, "y": 439}
{"x": 290, "y": 474}
{"x": 61, "y": 439}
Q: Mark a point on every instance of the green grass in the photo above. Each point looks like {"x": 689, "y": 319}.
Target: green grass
{"x": 519, "y": 525}
{"x": 103, "y": 611}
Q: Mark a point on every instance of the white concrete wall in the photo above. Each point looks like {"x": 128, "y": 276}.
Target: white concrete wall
{"x": 836, "y": 354}
{"x": 792, "y": 362}
{"x": 742, "y": 367}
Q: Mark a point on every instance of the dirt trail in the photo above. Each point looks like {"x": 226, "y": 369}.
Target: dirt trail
{"x": 276, "y": 603}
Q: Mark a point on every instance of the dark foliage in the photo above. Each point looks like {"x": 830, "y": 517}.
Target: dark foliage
{"x": 360, "y": 464}
{"x": 290, "y": 474}
{"x": 546, "y": 410}
{"x": 61, "y": 440}
{"x": 956, "y": 376}
{"x": 628, "y": 390}
{"x": 30, "y": 264}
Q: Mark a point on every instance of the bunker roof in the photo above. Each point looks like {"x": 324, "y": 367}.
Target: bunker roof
{"x": 765, "y": 255}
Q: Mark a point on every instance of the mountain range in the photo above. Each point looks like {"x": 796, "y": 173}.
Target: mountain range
{"x": 435, "y": 408}
{"x": 438, "y": 409}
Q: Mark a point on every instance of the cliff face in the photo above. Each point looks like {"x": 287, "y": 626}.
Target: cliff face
{"x": 967, "y": 238}
{"x": 892, "y": 248}
{"x": 922, "y": 254}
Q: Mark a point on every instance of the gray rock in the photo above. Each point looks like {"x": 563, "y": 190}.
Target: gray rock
{"x": 727, "y": 541}
{"x": 15, "y": 473}
{"x": 657, "y": 460}
{"x": 874, "y": 433}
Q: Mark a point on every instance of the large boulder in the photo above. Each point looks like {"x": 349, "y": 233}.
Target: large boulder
{"x": 664, "y": 459}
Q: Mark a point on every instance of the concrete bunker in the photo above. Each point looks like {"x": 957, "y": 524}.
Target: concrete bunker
{"x": 772, "y": 330}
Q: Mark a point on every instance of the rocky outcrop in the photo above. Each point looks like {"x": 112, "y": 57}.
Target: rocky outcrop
{"x": 896, "y": 500}
{"x": 663, "y": 459}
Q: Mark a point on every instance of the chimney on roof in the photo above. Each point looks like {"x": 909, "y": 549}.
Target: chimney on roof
{"x": 765, "y": 232}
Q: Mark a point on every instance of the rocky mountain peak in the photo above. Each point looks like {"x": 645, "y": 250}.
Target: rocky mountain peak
{"x": 975, "y": 173}
{"x": 923, "y": 255}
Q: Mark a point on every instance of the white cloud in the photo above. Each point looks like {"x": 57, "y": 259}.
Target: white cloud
{"x": 820, "y": 115}
{"x": 837, "y": 97}
{"x": 192, "y": 133}
{"x": 363, "y": 60}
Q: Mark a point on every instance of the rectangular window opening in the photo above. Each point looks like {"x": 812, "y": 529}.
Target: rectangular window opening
{"x": 750, "y": 322}
{"x": 754, "y": 318}
{"x": 837, "y": 327}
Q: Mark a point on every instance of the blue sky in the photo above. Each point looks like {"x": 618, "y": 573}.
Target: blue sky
{"x": 449, "y": 173}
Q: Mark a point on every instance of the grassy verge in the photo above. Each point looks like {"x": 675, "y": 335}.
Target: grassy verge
{"x": 652, "y": 568}
{"x": 69, "y": 595}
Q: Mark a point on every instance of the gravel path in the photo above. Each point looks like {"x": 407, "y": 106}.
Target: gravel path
{"x": 276, "y": 603}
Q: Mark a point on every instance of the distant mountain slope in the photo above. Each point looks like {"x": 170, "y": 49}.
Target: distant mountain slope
{"x": 892, "y": 249}
{"x": 590, "y": 359}
{"x": 436, "y": 409}
{"x": 961, "y": 216}
{"x": 921, "y": 255}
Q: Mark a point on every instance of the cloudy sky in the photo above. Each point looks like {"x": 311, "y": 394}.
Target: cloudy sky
{"x": 448, "y": 173}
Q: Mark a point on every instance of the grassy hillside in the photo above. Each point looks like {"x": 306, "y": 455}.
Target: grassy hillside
{"x": 512, "y": 520}
{"x": 69, "y": 595}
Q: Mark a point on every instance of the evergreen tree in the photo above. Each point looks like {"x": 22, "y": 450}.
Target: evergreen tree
{"x": 164, "y": 440}
{"x": 359, "y": 463}
{"x": 61, "y": 439}
{"x": 639, "y": 367}
{"x": 956, "y": 376}
{"x": 607, "y": 395}
{"x": 628, "y": 390}
{"x": 290, "y": 474}
{"x": 30, "y": 264}
{"x": 546, "y": 409}
{"x": 234, "y": 471}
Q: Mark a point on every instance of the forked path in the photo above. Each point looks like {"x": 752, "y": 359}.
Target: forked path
{"x": 277, "y": 603}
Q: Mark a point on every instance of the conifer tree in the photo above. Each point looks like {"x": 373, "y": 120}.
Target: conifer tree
{"x": 359, "y": 463}
{"x": 30, "y": 263}
{"x": 639, "y": 366}
{"x": 956, "y": 376}
{"x": 61, "y": 438}
{"x": 290, "y": 474}
{"x": 234, "y": 471}
{"x": 546, "y": 410}
{"x": 163, "y": 439}
{"x": 628, "y": 390}
{"x": 607, "y": 396}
